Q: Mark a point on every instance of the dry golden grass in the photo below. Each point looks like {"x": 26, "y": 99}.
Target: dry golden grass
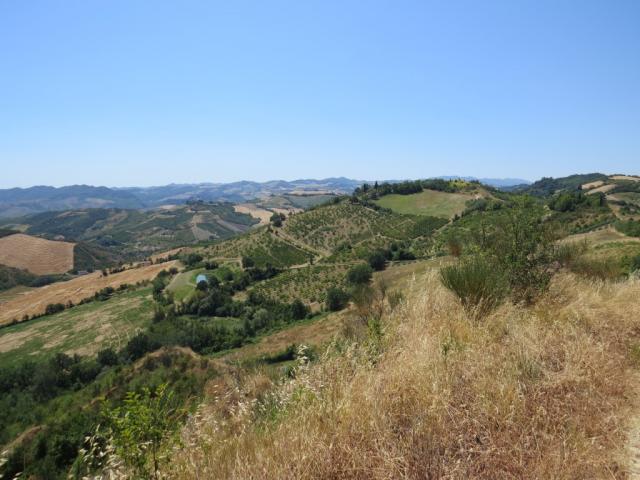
{"x": 34, "y": 301}
{"x": 256, "y": 212}
{"x": 534, "y": 393}
{"x": 38, "y": 255}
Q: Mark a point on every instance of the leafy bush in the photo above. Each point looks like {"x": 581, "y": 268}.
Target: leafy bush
{"x": 337, "y": 299}
{"x": 360, "y": 274}
{"x": 377, "y": 260}
{"x": 479, "y": 284}
{"x": 521, "y": 245}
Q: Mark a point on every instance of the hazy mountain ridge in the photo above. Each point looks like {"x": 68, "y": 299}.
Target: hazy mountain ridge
{"x": 18, "y": 202}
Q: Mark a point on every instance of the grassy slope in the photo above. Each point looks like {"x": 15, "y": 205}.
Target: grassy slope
{"x": 428, "y": 202}
{"x": 84, "y": 329}
{"x": 528, "y": 393}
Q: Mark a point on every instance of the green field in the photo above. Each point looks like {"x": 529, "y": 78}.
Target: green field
{"x": 84, "y": 329}
{"x": 427, "y": 202}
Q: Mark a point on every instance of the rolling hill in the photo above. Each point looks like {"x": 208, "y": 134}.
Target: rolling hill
{"x": 135, "y": 234}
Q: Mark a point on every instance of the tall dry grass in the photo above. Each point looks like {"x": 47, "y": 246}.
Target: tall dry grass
{"x": 542, "y": 392}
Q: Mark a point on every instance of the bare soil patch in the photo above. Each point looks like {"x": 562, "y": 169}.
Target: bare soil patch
{"x": 38, "y": 255}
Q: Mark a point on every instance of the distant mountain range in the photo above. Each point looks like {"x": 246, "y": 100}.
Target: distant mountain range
{"x": 18, "y": 202}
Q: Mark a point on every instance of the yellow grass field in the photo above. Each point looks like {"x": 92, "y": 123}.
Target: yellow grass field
{"x": 38, "y": 255}
{"x": 603, "y": 189}
{"x": 542, "y": 392}
{"x": 587, "y": 186}
{"x": 626, "y": 177}
{"x": 255, "y": 211}
{"x": 34, "y": 302}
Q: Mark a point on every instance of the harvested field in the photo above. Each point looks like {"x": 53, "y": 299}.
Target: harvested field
{"x": 626, "y": 177}
{"x": 255, "y": 211}
{"x": 603, "y": 189}
{"x": 37, "y": 255}
{"x": 34, "y": 302}
{"x": 590, "y": 185}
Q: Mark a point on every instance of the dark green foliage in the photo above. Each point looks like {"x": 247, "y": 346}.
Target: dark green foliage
{"x": 635, "y": 264}
{"x": 571, "y": 201}
{"x": 191, "y": 259}
{"x": 52, "y": 308}
{"x": 479, "y": 284}
{"x": 377, "y": 260}
{"x": 337, "y": 299}
{"x": 298, "y": 310}
{"x": 12, "y": 277}
{"x": 359, "y": 274}
{"x": 107, "y": 357}
{"x": 247, "y": 262}
{"x": 277, "y": 219}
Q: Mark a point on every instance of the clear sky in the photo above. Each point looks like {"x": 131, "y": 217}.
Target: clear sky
{"x": 132, "y": 92}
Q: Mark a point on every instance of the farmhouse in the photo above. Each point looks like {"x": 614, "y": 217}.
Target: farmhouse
{"x": 201, "y": 278}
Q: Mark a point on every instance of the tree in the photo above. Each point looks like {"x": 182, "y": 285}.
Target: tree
{"x": 336, "y": 299}
{"x": 298, "y": 310}
{"x": 107, "y": 357}
{"x": 377, "y": 260}
{"x": 359, "y": 275}
{"x": 277, "y": 219}
{"x": 247, "y": 262}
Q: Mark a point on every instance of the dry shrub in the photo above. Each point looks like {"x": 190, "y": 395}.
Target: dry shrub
{"x": 529, "y": 393}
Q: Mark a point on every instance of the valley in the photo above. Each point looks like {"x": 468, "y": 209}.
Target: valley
{"x": 287, "y": 286}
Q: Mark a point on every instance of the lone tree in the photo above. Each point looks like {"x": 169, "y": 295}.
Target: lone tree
{"x": 277, "y": 219}
{"x": 359, "y": 275}
{"x": 337, "y": 299}
{"x": 377, "y": 260}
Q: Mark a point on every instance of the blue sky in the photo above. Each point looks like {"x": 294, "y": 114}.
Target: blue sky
{"x": 133, "y": 92}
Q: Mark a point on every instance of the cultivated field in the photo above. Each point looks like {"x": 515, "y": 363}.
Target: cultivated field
{"x": 84, "y": 329}
{"x": 255, "y": 211}
{"x": 602, "y": 189}
{"x": 34, "y": 302}
{"x": 38, "y": 255}
{"x": 428, "y": 202}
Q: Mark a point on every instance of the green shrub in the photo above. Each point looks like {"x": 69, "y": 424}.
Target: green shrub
{"x": 359, "y": 275}
{"x": 520, "y": 243}
{"x": 635, "y": 263}
{"x": 377, "y": 260}
{"x": 479, "y": 284}
{"x": 337, "y": 299}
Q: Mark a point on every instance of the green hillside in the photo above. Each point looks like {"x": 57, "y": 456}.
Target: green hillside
{"x": 137, "y": 233}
